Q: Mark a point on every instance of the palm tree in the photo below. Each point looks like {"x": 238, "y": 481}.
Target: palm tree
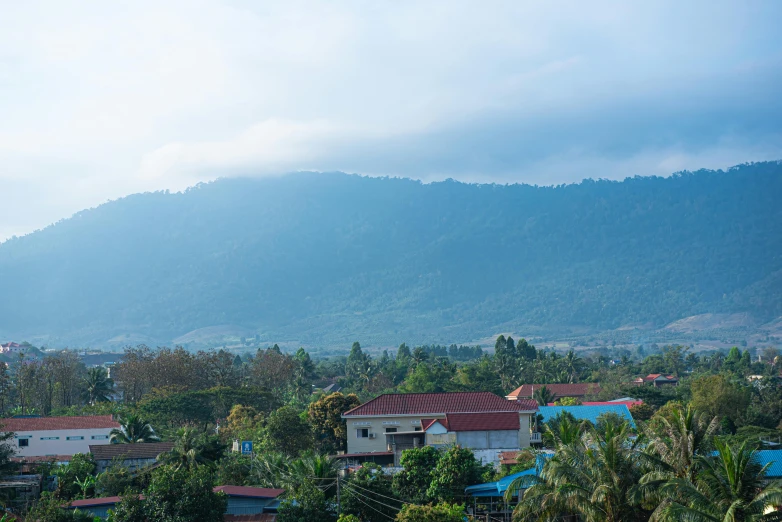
{"x": 97, "y": 386}
{"x": 133, "y": 429}
{"x": 320, "y": 470}
{"x": 270, "y": 469}
{"x": 731, "y": 487}
{"x": 594, "y": 477}
{"x": 543, "y": 396}
{"x": 675, "y": 443}
{"x": 193, "y": 449}
{"x": 571, "y": 364}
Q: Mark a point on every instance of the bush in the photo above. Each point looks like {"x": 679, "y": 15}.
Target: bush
{"x": 442, "y": 512}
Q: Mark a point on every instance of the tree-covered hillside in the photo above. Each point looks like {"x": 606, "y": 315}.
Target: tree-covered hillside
{"x": 329, "y": 258}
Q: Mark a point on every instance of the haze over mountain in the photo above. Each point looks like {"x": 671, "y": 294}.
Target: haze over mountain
{"x": 325, "y": 259}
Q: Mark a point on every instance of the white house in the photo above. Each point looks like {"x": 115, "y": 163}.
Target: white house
{"x": 50, "y": 436}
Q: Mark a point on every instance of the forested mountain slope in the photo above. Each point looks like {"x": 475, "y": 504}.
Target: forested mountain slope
{"x": 330, "y": 258}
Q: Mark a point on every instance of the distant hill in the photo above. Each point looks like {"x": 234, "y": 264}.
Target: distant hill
{"x": 325, "y": 259}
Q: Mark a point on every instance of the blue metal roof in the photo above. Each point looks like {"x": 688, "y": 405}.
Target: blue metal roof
{"x": 499, "y": 487}
{"x": 775, "y": 458}
{"x": 590, "y": 413}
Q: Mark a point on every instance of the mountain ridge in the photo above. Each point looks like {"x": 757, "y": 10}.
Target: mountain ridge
{"x": 327, "y": 258}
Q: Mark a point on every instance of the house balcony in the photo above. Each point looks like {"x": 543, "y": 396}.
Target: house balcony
{"x": 535, "y": 437}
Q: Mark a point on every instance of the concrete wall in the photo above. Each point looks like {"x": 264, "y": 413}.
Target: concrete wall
{"x": 56, "y": 442}
{"x": 376, "y": 425}
{"x": 488, "y": 439}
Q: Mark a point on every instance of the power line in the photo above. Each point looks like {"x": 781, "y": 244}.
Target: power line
{"x": 384, "y": 496}
{"x": 353, "y": 491}
{"x": 372, "y": 508}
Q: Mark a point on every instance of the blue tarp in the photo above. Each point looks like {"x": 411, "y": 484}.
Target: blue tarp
{"x": 498, "y": 488}
{"x": 590, "y": 413}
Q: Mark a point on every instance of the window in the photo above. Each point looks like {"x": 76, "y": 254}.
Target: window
{"x": 76, "y": 437}
{"x": 418, "y": 428}
{"x": 99, "y": 437}
{"x": 23, "y": 443}
{"x": 50, "y": 438}
{"x": 362, "y": 433}
{"x": 390, "y": 430}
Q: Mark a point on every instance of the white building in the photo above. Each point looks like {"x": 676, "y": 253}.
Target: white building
{"x": 51, "y": 436}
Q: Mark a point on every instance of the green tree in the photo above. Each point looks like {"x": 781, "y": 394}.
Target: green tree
{"x": 175, "y": 495}
{"x": 594, "y": 477}
{"x": 133, "y": 429}
{"x": 69, "y": 476}
{"x": 193, "y": 449}
{"x": 413, "y": 481}
{"x": 543, "y": 396}
{"x": 442, "y": 512}
{"x": 308, "y": 505}
{"x": 97, "y": 386}
{"x": 732, "y": 486}
{"x": 716, "y": 395}
{"x": 115, "y": 480}
{"x": 322, "y": 469}
{"x": 325, "y": 416}
{"x": 368, "y": 495}
{"x": 287, "y": 432}
{"x": 455, "y": 470}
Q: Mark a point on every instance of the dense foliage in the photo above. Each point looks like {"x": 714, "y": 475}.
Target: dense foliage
{"x": 324, "y": 257}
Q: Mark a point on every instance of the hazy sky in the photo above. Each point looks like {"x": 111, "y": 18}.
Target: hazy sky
{"x": 102, "y": 99}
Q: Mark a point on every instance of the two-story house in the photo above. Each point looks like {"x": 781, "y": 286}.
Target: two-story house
{"x": 481, "y": 421}
{"x": 52, "y": 436}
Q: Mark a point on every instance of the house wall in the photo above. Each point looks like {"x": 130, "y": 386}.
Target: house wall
{"x": 246, "y": 506}
{"x": 488, "y": 439}
{"x": 376, "y": 426}
{"x": 55, "y": 442}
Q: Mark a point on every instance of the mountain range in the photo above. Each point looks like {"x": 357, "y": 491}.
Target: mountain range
{"x": 323, "y": 259}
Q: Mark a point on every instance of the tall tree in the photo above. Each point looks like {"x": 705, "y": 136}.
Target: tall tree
{"x": 133, "y": 429}
{"x": 325, "y": 415}
{"x": 97, "y": 386}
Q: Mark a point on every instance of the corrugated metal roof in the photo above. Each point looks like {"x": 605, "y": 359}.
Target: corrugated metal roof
{"x": 770, "y": 456}
{"x": 590, "y": 413}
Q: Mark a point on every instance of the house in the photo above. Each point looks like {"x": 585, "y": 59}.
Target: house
{"x": 51, "y": 436}
{"x": 578, "y": 390}
{"x": 590, "y": 413}
{"x": 132, "y": 456}
{"x": 11, "y": 348}
{"x": 481, "y": 421}
{"x": 21, "y": 490}
{"x": 657, "y": 380}
{"x": 332, "y": 388}
{"x": 244, "y": 503}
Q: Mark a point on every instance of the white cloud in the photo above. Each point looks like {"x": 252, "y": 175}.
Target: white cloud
{"x": 101, "y": 99}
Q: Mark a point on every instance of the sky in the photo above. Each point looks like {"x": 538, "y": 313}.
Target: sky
{"x": 103, "y": 99}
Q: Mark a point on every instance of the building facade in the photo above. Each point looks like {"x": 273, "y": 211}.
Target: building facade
{"x": 51, "y": 436}
{"x": 480, "y": 421}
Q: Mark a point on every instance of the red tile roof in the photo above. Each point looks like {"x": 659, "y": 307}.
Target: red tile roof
{"x": 559, "y": 390}
{"x": 653, "y": 376}
{"x": 509, "y": 457}
{"x": 482, "y": 421}
{"x": 428, "y": 403}
{"x": 92, "y": 502}
{"x": 18, "y": 425}
{"x": 146, "y": 450}
{"x": 247, "y": 491}
{"x": 425, "y": 423}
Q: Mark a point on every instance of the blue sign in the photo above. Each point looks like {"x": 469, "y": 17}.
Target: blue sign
{"x": 247, "y": 447}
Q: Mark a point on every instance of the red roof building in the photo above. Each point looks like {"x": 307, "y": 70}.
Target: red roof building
{"x": 478, "y": 420}
{"x": 440, "y": 403}
{"x": 577, "y": 390}
{"x": 46, "y": 436}
{"x": 657, "y": 380}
